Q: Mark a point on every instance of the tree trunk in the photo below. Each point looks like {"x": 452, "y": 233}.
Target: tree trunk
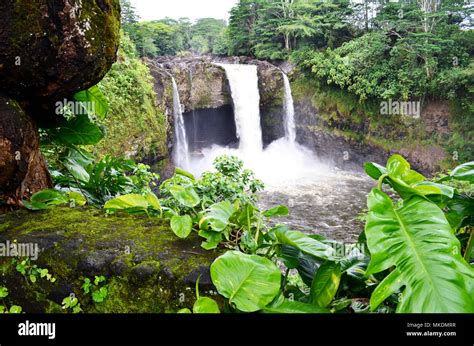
{"x": 23, "y": 170}
{"x": 287, "y": 42}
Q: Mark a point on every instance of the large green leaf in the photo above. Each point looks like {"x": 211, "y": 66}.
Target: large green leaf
{"x": 129, "y": 203}
{"x": 205, "y": 305}
{"x": 153, "y": 201}
{"x": 184, "y": 173}
{"x": 464, "y": 172}
{"x": 460, "y": 208}
{"x": 325, "y": 283}
{"x": 419, "y": 243}
{"x": 406, "y": 181}
{"x": 286, "y": 306}
{"x": 355, "y": 264}
{"x": 50, "y": 196}
{"x": 76, "y": 169}
{"x": 182, "y": 225}
{"x": 304, "y": 243}
{"x": 279, "y": 210}
{"x": 93, "y": 102}
{"x": 187, "y": 196}
{"x": 46, "y": 199}
{"x": 212, "y": 239}
{"x": 306, "y": 265}
{"x": 77, "y": 198}
{"x": 217, "y": 218}
{"x": 374, "y": 170}
{"x": 250, "y": 282}
{"x": 78, "y": 131}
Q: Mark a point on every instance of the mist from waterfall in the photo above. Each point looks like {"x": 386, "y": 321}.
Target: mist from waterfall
{"x": 282, "y": 163}
{"x": 181, "y": 150}
{"x": 288, "y": 104}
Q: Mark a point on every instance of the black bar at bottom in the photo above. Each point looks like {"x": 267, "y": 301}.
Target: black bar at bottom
{"x": 335, "y": 329}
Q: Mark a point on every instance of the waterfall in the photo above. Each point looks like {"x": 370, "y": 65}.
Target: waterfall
{"x": 290, "y": 132}
{"x": 181, "y": 151}
{"x": 243, "y": 80}
{"x": 284, "y": 162}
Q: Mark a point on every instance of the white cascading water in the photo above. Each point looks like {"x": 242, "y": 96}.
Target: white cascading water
{"x": 243, "y": 81}
{"x": 290, "y": 128}
{"x": 283, "y": 162}
{"x": 181, "y": 151}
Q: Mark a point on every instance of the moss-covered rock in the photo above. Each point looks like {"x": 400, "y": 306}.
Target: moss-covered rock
{"x": 50, "y": 49}
{"x": 201, "y": 83}
{"x": 148, "y": 269}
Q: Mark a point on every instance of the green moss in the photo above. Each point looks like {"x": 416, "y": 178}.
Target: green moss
{"x": 135, "y": 125}
{"x": 144, "y": 262}
{"x": 109, "y": 23}
{"x": 27, "y": 21}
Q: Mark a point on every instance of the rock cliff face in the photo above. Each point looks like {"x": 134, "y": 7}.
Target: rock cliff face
{"x": 349, "y": 137}
{"x": 49, "y": 50}
{"x": 204, "y": 85}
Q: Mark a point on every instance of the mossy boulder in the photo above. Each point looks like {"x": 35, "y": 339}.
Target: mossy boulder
{"x": 147, "y": 268}
{"x": 50, "y": 49}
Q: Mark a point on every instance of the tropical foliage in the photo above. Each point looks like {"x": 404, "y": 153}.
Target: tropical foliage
{"x": 409, "y": 258}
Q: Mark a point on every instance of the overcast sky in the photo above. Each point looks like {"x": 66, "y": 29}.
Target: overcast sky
{"x": 194, "y": 9}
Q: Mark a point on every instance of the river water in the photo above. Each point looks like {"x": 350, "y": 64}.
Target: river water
{"x": 328, "y": 205}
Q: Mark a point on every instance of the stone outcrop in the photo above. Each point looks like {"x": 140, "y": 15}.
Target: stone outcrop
{"x": 147, "y": 268}
{"x": 21, "y": 170}
{"x": 49, "y": 50}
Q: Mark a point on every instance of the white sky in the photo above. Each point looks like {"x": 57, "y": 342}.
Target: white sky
{"x": 193, "y": 9}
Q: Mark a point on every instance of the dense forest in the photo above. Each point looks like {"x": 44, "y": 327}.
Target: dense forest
{"x": 126, "y": 227}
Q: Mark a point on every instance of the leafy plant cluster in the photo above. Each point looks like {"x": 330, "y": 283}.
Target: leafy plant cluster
{"x": 31, "y": 271}
{"x": 396, "y": 265}
{"x": 97, "y": 289}
{"x": 14, "y": 309}
{"x": 78, "y": 176}
{"x": 413, "y": 260}
{"x": 219, "y": 206}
